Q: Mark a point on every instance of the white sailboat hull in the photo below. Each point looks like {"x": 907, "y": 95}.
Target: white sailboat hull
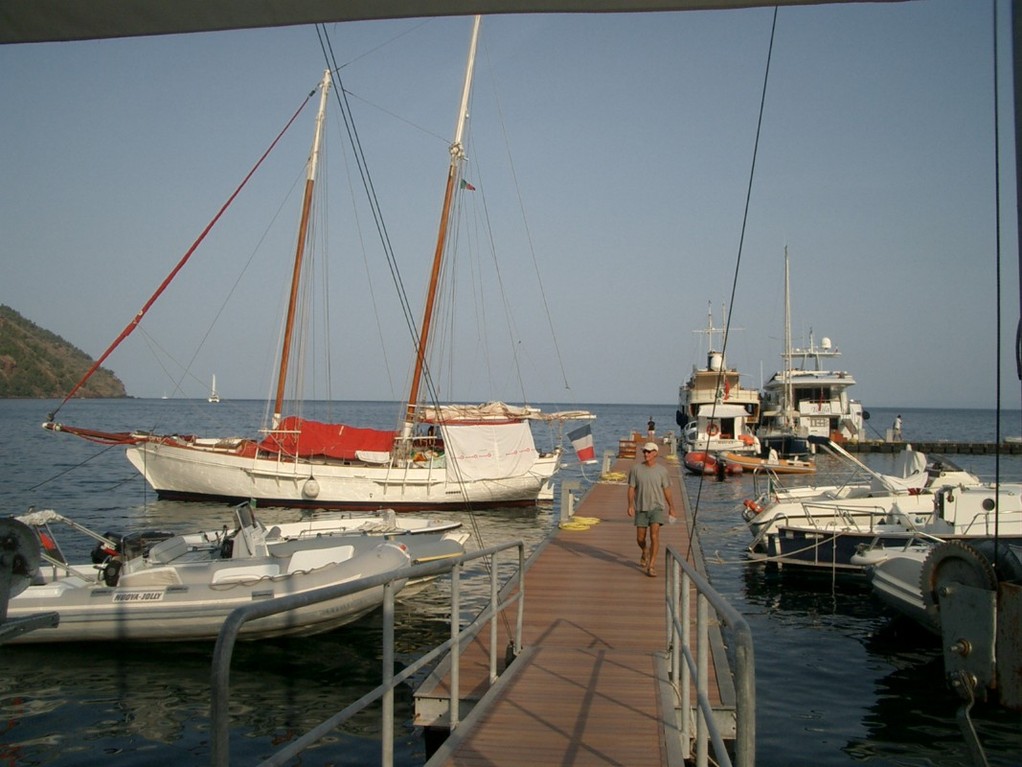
{"x": 194, "y": 471}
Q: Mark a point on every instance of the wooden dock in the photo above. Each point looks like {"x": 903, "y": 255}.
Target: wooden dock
{"x": 590, "y": 685}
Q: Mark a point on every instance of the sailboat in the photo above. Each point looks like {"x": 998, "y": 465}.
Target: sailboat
{"x": 442, "y": 455}
{"x": 214, "y": 396}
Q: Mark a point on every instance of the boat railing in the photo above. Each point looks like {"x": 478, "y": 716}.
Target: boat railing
{"x": 220, "y": 698}
{"x": 858, "y": 518}
{"x": 690, "y": 661}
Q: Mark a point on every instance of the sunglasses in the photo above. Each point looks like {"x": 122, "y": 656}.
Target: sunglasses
{"x": 648, "y": 451}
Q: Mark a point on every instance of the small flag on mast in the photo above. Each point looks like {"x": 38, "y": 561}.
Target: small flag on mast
{"x": 582, "y": 440}
{"x": 466, "y": 185}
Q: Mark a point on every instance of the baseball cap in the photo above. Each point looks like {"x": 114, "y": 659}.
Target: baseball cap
{"x": 651, "y": 446}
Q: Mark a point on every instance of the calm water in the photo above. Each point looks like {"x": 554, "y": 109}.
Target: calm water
{"x": 838, "y": 683}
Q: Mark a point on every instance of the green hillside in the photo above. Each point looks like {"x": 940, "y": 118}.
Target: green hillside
{"x": 35, "y": 363}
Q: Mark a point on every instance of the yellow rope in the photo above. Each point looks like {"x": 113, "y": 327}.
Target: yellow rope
{"x": 570, "y": 525}
{"x": 579, "y": 523}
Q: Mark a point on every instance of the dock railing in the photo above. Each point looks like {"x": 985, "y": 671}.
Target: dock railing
{"x": 690, "y": 658}
{"x": 220, "y": 698}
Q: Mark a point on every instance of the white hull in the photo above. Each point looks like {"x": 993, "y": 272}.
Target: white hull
{"x": 195, "y": 471}
{"x": 170, "y": 603}
{"x": 896, "y": 580}
{"x": 912, "y": 581}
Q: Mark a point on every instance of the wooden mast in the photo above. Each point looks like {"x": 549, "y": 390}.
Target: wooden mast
{"x": 303, "y": 229}
{"x": 453, "y": 173}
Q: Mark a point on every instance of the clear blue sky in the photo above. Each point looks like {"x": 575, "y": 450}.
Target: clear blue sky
{"x": 631, "y": 139}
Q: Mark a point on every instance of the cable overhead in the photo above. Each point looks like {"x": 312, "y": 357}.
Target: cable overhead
{"x": 745, "y": 219}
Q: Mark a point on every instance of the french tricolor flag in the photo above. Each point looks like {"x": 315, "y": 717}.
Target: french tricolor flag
{"x": 582, "y": 440}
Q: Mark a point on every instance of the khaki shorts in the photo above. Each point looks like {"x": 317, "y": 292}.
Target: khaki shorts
{"x": 647, "y": 518}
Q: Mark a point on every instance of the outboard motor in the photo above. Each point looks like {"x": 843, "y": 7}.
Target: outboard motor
{"x": 102, "y": 552}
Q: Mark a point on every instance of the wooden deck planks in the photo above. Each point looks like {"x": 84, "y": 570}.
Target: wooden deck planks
{"x": 586, "y": 693}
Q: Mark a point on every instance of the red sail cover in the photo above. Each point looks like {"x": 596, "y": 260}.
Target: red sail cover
{"x": 308, "y": 439}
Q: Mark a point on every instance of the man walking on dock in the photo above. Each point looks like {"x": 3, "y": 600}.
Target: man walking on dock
{"x": 649, "y": 493}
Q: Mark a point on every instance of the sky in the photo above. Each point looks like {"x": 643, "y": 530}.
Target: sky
{"x": 612, "y": 157}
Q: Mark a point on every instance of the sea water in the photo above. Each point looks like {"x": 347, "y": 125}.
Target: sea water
{"x": 838, "y": 681}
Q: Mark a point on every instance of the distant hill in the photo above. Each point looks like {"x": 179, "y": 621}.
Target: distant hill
{"x": 35, "y": 363}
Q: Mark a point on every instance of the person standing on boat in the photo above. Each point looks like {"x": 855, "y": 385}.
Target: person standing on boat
{"x": 649, "y": 493}
{"x": 897, "y": 427}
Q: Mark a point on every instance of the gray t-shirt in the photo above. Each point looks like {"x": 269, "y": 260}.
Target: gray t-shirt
{"x": 649, "y": 483}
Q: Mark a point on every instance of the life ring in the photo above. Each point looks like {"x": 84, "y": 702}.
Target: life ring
{"x": 752, "y": 506}
{"x": 713, "y": 430}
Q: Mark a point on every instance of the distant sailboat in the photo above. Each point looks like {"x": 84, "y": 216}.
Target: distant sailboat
{"x": 214, "y": 396}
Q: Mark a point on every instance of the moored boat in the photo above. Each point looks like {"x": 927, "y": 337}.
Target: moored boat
{"x": 715, "y": 412}
{"x": 909, "y": 580}
{"x": 804, "y": 400}
{"x": 833, "y": 535}
{"x": 771, "y": 463}
{"x": 913, "y": 476}
{"x": 700, "y": 462}
{"x": 820, "y": 405}
{"x": 439, "y": 456}
{"x": 157, "y": 586}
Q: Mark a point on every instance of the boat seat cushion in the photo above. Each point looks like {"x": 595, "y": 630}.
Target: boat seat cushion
{"x": 168, "y": 550}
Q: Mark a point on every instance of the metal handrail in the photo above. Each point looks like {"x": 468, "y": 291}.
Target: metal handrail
{"x": 681, "y": 577}
{"x": 220, "y": 697}
{"x": 816, "y": 513}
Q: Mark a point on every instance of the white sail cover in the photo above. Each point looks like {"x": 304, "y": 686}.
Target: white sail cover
{"x": 488, "y": 450}
{"x": 488, "y": 411}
